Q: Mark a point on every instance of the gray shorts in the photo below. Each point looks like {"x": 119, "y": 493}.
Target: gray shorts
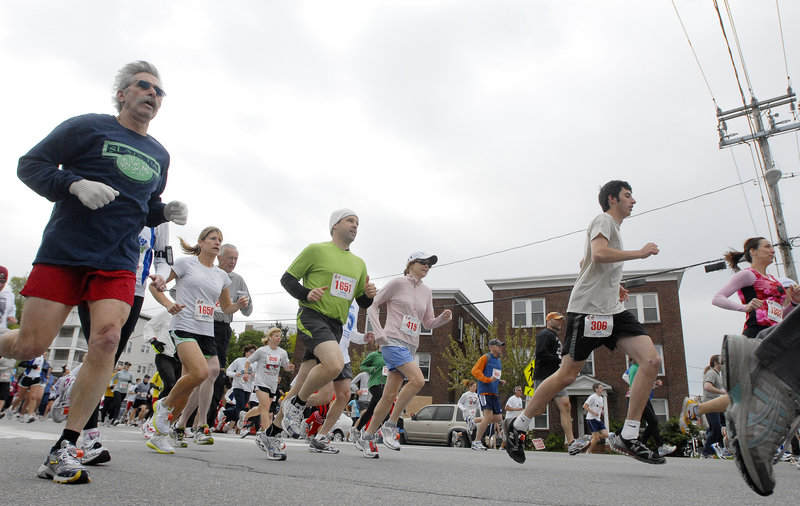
{"x": 346, "y": 374}
{"x": 561, "y": 393}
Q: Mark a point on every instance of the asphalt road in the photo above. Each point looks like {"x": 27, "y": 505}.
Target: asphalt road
{"x": 234, "y": 471}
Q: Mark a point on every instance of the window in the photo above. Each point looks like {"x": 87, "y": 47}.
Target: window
{"x": 426, "y": 413}
{"x": 61, "y": 355}
{"x": 424, "y": 362}
{"x": 444, "y": 413}
{"x": 588, "y": 366}
{"x": 143, "y": 348}
{"x": 460, "y": 328}
{"x": 542, "y": 421}
{"x": 128, "y": 348}
{"x": 368, "y": 327}
{"x": 661, "y": 407}
{"x": 140, "y": 369}
{"x": 660, "y": 349}
{"x": 528, "y": 312}
{"x": 425, "y": 332}
{"x": 644, "y": 306}
{"x": 79, "y": 356}
{"x": 66, "y": 332}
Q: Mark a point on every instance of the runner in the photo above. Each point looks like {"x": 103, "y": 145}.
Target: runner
{"x": 266, "y": 362}
{"x": 488, "y": 370}
{"x": 468, "y": 404}
{"x": 332, "y": 277}
{"x": 595, "y": 405}
{"x": 106, "y": 176}
{"x": 376, "y": 367}
{"x": 409, "y": 308}
{"x": 241, "y": 386}
{"x": 596, "y": 317}
{"x": 200, "y": 284}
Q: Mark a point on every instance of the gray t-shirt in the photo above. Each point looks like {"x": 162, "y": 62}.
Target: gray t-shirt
{"x": 268, "y": 363}
{"x": 713, "y": 377}
{"x": 596, "y": 290}
{"x": 198, "y": 288}
{"x": 238, "y": 288}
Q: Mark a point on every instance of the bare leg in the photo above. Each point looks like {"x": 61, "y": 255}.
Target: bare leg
{"x": 641, "y": 349}
{"x": 393, "y": 383}
{"x": 342, "y": 389}
{"x": 41, "y": 321}
{"x": 416, "y": 381}
{"x": 330, "y": 365}
{"x": 564, "y": 410}
{"x": 553, "y": 384}
{"x": 196, "y": 371}
{"x": 206, "y": 392}
{"x": 718, "y": 405}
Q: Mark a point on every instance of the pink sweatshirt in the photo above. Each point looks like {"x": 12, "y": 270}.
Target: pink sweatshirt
{"x": 406, "y": 299}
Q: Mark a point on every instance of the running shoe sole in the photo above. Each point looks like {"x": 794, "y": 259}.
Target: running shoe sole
{"x": 512, "y": 449}
{"x": 618, "y": 446}
{"x": 78, "y": 478}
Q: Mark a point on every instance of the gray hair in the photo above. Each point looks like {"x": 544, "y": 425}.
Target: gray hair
{"x": 225, "y": 246}
{"x": 125, "y": 75}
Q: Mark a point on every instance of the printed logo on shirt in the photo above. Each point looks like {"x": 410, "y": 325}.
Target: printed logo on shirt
{"x": 133, "y": 163}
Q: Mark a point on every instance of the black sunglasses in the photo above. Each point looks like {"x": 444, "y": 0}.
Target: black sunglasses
{"x": 145, "y": 85}
{"x": 425, "y": 262}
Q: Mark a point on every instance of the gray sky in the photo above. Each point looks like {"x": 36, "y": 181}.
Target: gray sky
{"x": 455, "y": 127}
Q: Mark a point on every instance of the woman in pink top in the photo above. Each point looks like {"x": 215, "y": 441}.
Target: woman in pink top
{"x": 409, "y": 306}
{"x": 764, "y": 300}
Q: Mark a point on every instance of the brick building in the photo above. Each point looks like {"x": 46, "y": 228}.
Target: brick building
{"x": 523, "y": 302}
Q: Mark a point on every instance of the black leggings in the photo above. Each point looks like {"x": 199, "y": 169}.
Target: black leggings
{"x": 169, "y": 368}
{"x": 649, "y": 417}
{"x": 376, "y": 391}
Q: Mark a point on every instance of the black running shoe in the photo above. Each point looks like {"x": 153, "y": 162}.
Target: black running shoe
{"x": 634, "y": 448}
{"x": 515, "y": 441}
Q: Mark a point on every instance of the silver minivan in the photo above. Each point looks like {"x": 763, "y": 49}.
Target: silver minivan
{"x": 441, "y": 424}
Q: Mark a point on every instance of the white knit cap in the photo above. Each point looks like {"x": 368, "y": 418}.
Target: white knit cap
{"x": 337, "y": 216}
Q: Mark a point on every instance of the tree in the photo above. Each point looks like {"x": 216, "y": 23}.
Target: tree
{"x": 236, "y": 346}
{"x": 17, "y": 282}
{"x": 463, "y": 355}
{"x": 520, "y": 348}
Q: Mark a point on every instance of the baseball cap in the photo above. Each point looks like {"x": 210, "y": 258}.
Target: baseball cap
{"x": 496, "y": 342}
{"x": 421, "y": 255}
{"x": 337, "y": 215}
{"x": 3, "y": 274}
{"x": 555, "y": 315}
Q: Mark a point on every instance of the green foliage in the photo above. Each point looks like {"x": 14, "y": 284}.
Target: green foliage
{"x": 671, "y": 434}
{"x": 519, "y": 351}
{"x": 615, "y": 426}
{"x": 463, "y": 355}
{"x": 554, "y": 442}
{"x": 17, "y": 283}
{"x": 238, "y": 342}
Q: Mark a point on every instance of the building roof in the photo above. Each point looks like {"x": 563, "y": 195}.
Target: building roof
{"x": 550, "y": 281}
{"x": 462, "y": 299}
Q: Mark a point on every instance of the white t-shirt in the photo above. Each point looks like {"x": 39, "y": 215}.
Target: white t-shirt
{"x": 468, "y": 403}
{"x": 268, "y": 363}
{"x": 349, "y": 332}
{"x": 596, "y": 403}
{"x": 7, "y": 306}
{"x": 35, "y": 369}
{"x": 361, "y": 382}
{"x": 151, "y": 240}
{"x": 237, "y": 366}
{"x": 513, "y": 402}
{"x": 596, "y": 290}
{"x": 198, "y": 288}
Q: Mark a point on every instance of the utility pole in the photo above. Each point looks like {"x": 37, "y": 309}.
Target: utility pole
{"x": 771, "y": 173}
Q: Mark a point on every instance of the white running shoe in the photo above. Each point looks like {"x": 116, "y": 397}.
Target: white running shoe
{"x": 478, "y": 446}
{"x": 161, "y": 416}
{"x": 292, "y": 418}
{"x": 665, "y": 449}
{"x": 366, "y": 444}
{"x": 93, "y": 451}
{"x": 160, "y": 443}
{"x": 62, "y": 466}
{"x": 391, "y": 437}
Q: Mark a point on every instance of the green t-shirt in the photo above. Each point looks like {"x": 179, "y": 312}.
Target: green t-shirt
{"x": 374, "y": 364}
{"x": 325, "y": 264}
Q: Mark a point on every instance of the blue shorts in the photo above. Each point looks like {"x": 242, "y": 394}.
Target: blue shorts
{"x": 491, "y": 401}
{"x": 595, "y": 425}
{"x": 395, "y": 356}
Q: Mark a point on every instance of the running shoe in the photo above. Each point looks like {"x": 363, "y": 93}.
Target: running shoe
{"x": 292, "y": 418}
{"x": 202, "y": 436}
{"x": 470, "y": 423}
{"x": 321, "y": 444}
{"x": 160, "y": 443}
{"x": 148, "y": 430}
{"x": 579, "y": 445}
{"x": 634, "y": 448}
{"x": 666, "y": 449}
{"x": 366, "y": 444}
{"x": 179, "y": 437}
{"x": 514, "y": 440}
{"x": 688, "y": 414}
{"x": 271, "y": 445}
{"x": 240, "y": 422}
{"x": 161, "y": 418}
{"x": 353, "y": 434}
{"x": 478, "y": 446}
{"x": 93, "y": 451}
{"x": 391, "y": 437}
{"x": 762, "y": 412}
{"x": 62, "y": 466}
{"x": 30, "y": 419}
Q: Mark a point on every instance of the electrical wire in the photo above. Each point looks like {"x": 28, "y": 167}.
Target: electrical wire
{"x": 696, "y": 59}
{"x": 744, "y": 195}
{"x": 783, "y": 45}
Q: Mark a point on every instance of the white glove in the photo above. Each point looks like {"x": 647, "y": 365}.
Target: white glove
{"x": 176, "y": 212}
{"x": 93, "y": 194}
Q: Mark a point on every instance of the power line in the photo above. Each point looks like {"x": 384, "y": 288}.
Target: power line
{"x": 696, "y": 59}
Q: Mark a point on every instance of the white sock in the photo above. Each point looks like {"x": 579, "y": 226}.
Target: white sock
{"x": 630, "y": 430}
{"x": 521, "y": 422}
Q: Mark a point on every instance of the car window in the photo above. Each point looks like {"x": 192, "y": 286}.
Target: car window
{"x": 426, "y": 413}
{"x": 444, "y": 413}
{"x": 459, "y": 415}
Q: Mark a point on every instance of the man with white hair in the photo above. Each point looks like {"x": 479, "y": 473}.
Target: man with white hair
{"x": 105, "y": 175}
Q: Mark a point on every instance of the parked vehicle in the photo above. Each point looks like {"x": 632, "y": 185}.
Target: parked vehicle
{"x": 441, "y": 424}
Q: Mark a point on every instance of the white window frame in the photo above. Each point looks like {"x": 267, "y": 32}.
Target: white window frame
{"x": 660, "y": 350}
{"x": 530, "y": 321}
{"x": 536, "y": 422}
{"x": 637, "y": 300}
{"x": 425, "y": 368}
{"x": 661, "y": 407}
{"x": 589, "y": 362}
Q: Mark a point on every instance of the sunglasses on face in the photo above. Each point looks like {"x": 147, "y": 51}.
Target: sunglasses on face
{"x": 425, "y": 262}
{"x": 145, "y": 85}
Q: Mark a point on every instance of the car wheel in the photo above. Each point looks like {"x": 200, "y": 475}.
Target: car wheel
{"x": 459, "y": 440}
{"x": 338, "y": 435}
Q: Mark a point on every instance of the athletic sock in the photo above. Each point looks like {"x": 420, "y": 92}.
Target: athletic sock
{"x": 630, "y": 430}
{"x": 297, "y": 401}
{"x": 521, "y": 422}
{"x": 67, "y": 435}
{"x": 273, "y": 430}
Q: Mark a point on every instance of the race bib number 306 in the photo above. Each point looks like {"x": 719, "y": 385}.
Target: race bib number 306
{"x": 598, "y": 325}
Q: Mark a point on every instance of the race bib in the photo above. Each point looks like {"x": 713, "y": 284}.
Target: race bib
{"x": 598, "y": 325}
{"x": 774, "y": 311}
{"x": 385, "y": 371}
{"x": 342, "y": 286}
{"x": 496, "y": 373}
{"x": 203, "y": 311}
{"x": 6, "y": 376}
{"x": 410, "y": 326}
{"x": 123, "y": 384}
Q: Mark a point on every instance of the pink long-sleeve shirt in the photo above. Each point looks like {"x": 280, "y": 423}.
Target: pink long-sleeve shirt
{"x": 406, "y": 298}
{"x": 751, "y": 284}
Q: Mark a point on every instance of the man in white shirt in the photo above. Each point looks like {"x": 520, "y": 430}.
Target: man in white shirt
{"x": 514, "y": 403}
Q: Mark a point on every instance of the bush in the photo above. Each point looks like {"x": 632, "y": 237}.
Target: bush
{"x": 554, "y": 442}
